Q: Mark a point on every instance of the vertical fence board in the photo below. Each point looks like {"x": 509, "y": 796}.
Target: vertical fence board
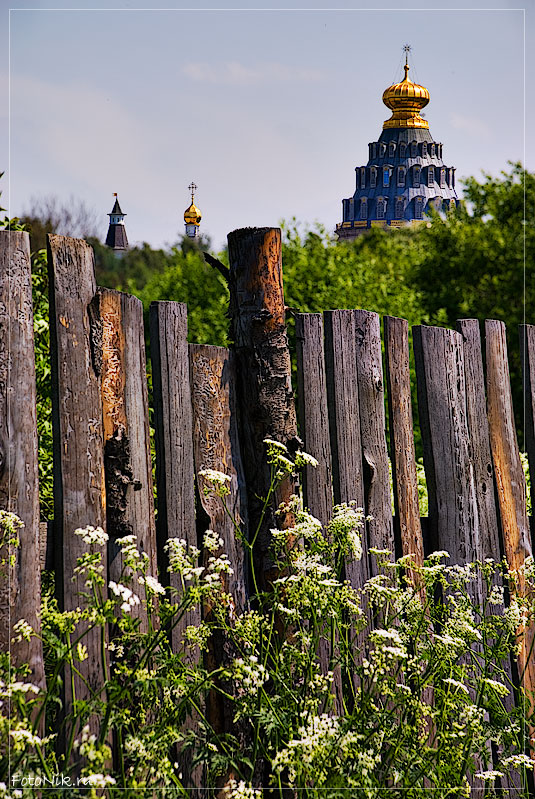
{"x": 79, "y": 486}
{"x": 476, "y": 414}
{"x": 314, "y": 429}
{"x": 510, "y": 479}
{"x": 313, "y": 414}
{"x": 127, "y": 463}
{"x": 453, "y": 519}
{"x": 215, "y": 446}
{"x": 403, "y": 455}
{"x": 174, "y": 438}
{"x": 527, "y": 351}
{"x": 373, "y": 433}
{"x": 174, "y": 468}
{"x": 344, "y": 423}
{"x": 20, "y": 586}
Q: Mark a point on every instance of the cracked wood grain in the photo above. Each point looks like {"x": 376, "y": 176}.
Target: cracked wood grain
{"x": 79, "y": 484}
{"x": 20, "y": 585}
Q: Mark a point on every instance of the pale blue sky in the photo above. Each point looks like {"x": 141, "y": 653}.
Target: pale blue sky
{"x": 268, "y": 111}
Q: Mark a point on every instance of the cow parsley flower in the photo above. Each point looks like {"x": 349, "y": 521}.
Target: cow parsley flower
{"x": 92, "y": 535}
{"x": 151, "y": 583}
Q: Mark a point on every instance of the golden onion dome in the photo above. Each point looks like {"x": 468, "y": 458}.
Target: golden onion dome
{"x": 406, "y": 99}
{"x": 192, "y": 215}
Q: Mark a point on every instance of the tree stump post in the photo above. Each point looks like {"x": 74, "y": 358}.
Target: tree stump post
{"x": 264, "y": 387}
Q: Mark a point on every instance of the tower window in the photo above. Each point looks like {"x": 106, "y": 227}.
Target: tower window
{"x": 401, "y": 176}
{"x": 370, "y": 150}
{"x": 419, "y": 208}
{"x": 442, "y": 178}
{"x": 391, "y": 148}
{"x": 386, "y": 176}
{"x": 414, "y": 149}
{"x": 351, "y": 209}
{"x": 382, "y": 149}
{"x": 362, "y": 177}
{"x": 373, "y": 177}
{"x": 399, "y": 208}
{"x": 402, "y": 150}
{"x": 374, "y": 150}
{"x": 432, "y": 151}
{"x": 417, "y": 172}
{"x": 380, "y": 208}
{"x": 364, "y": 208}
{"x": 424, "y": 148}
{"x": 430, "y": 175}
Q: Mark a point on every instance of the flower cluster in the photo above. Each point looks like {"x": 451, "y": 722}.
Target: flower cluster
{"x": 129, "y": 599}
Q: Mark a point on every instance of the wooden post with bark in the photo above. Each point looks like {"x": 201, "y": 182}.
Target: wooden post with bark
{"x": 20, "y": 585}
{"x": 264, "y": 388}
{"x": 118, "y": 324}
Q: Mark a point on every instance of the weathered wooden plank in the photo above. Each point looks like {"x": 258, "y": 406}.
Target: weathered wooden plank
{"x": 527, "y": 352}
{"x": 510, "y": 479}
{"x": 174, "y": 439}
{"x": 344, "y": 423}
{"x": 314, "y": 429}
{"x": 215, "y": 446}
{"x": 263, "y": 367}
{"x": 79, "y": 486}
{"x": 313, "y": 414}
{"x": 476, "y": 415}
{"x": 398, "y": 381}
{"x": 175, "y": 471}
{"x": 20, "y": 585}
{"x": 376, "y": 472}
{"x": 127, "y": 464}
{"x": 453, "y": 516}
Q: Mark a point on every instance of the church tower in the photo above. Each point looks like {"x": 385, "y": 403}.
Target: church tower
{"x": 116, "y": 238}
{"x": 405, "y": 174}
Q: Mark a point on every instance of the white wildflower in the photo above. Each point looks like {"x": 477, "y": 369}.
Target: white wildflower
{"x": 23, "y": 631}
{"x": 277, "y": 445}
{"x": 151, "y": 583}
{"x": 92, "y": 535}
{"x": 304, "y": 459}
{"x": 251, "y": 674}
{"x": 129, "y": 598}
{"x": 518, "y": 761}
{"x": 240, "y": 790}
{"x": 212, "y": 541}
{"x": 456, "y": 684}
{"x": 498, "y": 687}
{"x": 488, "y": 776}
{"x": 345, "y": 526}
{"x": 23, "y": 737}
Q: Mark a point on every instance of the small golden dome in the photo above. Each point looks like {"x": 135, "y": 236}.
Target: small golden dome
{"x": 192, "y": 215}
{"x": 406, "y": 99}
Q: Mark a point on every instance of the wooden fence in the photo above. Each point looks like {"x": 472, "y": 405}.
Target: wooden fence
{"x": 102, "y": 465}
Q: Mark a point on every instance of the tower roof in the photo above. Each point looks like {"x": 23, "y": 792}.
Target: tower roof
{"x": 116, "y": 208}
